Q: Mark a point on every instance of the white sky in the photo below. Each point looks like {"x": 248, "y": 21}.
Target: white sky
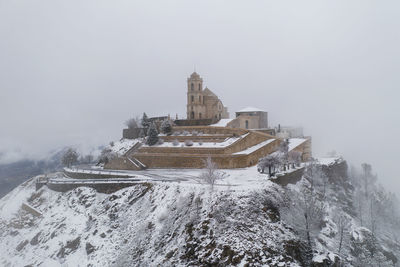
{"x": 71, "y": 72}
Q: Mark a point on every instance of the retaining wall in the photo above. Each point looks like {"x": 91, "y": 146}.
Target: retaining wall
{"x": 289, "y": 178}
{"x": 182, "y": 160}
{"x": 94, "y": 174}
{"x": 106, "y": 188}
{"x": 251, "y": 139}
{"x": 202, "y": 138}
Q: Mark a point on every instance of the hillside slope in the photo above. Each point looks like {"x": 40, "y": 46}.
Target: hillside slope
{"x": 174, "y": 224}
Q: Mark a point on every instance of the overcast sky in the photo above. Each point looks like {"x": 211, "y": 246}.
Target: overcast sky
{"x": 71, "y": 72}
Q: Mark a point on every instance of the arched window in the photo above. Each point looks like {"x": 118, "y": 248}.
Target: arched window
{"x": 247, "y": 124}
{"x": 192, "y": 99}
{"x": 192, "y": 115}
{"x": 192, "y": 86}
{"x": 199, "y": 86}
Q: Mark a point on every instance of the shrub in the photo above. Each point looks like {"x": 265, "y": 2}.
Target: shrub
{"x": 160, "y": 142}
{"x": 175, "y": 142}
{"x": 189, "y": 143}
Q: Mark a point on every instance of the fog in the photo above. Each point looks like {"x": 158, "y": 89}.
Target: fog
{"x": 71, "y": 72}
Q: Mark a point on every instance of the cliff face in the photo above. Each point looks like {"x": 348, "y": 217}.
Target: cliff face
{"x": 167, "y": 224}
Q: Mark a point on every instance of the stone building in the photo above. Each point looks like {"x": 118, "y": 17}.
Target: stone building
{"x": 250, "y": 118}
{"x": 203, "y": 103}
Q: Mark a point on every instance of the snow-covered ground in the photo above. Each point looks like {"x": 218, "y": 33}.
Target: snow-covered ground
{"x": 175, "y": 221}
{"x": 83, "y": 227}
{"x": 96, "y": 170}
{"x": 329, "y": 161}
{"x": 227, "y": 142}
{"x": 122, "y": 146}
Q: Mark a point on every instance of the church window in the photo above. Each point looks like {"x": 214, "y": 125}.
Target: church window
{"x": 199, "y": 87}
{"x": 200, "y": 99}
{"x": 192, "y": 115}
{"x": 192, "y": 86}
{"x": 192, "y": 99}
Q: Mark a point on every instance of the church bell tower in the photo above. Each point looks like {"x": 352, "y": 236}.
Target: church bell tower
{"x": 195, "y": 98}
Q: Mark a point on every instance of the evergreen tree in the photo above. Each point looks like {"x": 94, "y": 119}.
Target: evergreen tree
{"x": 145, "y": 122}
{"x": 152, "y": 135}
{"x": 166, "y": 127}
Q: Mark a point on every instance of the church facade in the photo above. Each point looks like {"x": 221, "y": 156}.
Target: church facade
{"x": 203, "y": 103}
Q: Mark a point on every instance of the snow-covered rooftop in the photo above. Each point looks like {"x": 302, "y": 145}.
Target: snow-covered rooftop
{"x": 295, "y": 142}
{"x": 222, "y": 123}
{"x": 254, "y": 148}
{"x": 251, "y": 109}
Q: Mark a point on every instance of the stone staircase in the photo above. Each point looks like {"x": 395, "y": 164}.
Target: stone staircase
{"x": 136, "y": 163}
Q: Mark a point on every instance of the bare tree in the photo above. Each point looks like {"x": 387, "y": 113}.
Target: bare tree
{"x": 342, "y": 222}
{"x": 295, "y": 158}
{"x": 284, "y": 149}
{"x": 368, "y": 179}
{"x": 132, "y": 123}
{"x": 211, "y": 174}
{"x": 70, "y": 157}
{"x": 86, "y": 159}
{"x": 271, "y": 162}
{"x": 306, "y": 213}
{"x": 106, "y": 155}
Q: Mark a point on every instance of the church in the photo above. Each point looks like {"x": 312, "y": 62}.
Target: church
{"x": 203, "y": 103}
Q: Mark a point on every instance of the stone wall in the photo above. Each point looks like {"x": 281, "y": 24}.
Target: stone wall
{"x": 94, "y": 175}
{"x": 198, "y": 122}
{"x": 121, "y": 163}
{"x": 224, "y": 161}
{"x": 210, "y": 130}
{"x": 251, "y": 139}
{"x": 289, "y": 178}
{"x": 198, "y": 138}
{"x": 240, "y": 122}
{"x": 306, "y": 149}
{"x": 131, "y": 133}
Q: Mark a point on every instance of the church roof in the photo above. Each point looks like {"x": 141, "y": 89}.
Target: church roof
{"x": 209, "y": 92}
{"x": 251, "y": 109}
